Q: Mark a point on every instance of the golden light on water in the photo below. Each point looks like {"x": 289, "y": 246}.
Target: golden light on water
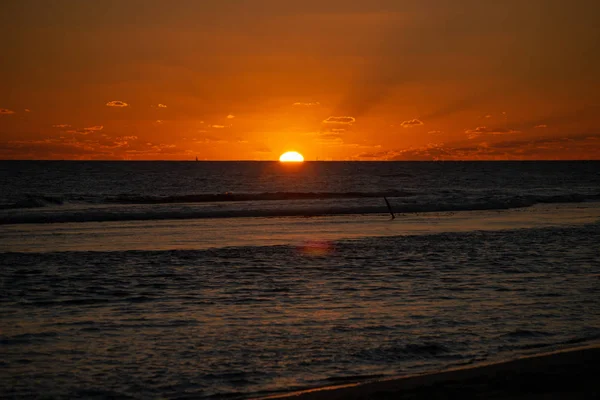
{"x": 315, "y": 248}
{"x": 291, "y": 156}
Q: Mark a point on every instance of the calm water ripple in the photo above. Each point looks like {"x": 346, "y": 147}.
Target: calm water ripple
{"x": 199, "y": 323}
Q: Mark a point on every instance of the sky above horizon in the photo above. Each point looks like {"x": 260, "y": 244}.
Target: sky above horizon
{"x": 331, "y": 79}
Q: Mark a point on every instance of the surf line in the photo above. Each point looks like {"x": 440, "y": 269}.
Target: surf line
{"x": 389, "y": 207}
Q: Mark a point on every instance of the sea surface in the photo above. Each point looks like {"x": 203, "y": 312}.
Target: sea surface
{"x": 242, "y": 279}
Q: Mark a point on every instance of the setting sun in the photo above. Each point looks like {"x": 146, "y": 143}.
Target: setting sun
{"x": 291, "y": 156}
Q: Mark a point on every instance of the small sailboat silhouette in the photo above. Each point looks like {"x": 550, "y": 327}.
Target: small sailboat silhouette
{"x": 196, "y": 158}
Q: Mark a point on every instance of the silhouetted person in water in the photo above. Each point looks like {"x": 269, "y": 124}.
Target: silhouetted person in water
{"x": 389, "y": 207}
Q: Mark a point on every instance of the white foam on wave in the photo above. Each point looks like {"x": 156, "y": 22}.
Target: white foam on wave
{"x": 299, "y": 207}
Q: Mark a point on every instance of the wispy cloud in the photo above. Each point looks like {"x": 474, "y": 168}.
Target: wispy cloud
{"x": 330, "y": 138}
{"x": 230, "y": 116}
{"x": 411, "y": 123}
{"x": 435, "y": 132}
{"x": 102, "y": 147}
{"x": 340, "y": 120}
{"x": 162, "y": 106}
{"x": 210, "y": 140}
{"x": 94, "y": 128}
{"x": 218, "y": 126}
{"x": 545, "y": 148}
{"x": 27, "y": 110}
{"x": 88, "y": 130}
{"x": 61, "y": 126}
{"x": 117, "y": 103}
{"x": 118, "y": 142}
{"x": 309, "y": 104}
{"x": 6, "y": 111}
{"x": 542, "y": 126}
{"x": 484, "y": 130}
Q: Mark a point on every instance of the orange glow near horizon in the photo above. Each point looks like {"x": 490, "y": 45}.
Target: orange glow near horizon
{"x": 345, "y": 81}
{"x": 291, "y": 156}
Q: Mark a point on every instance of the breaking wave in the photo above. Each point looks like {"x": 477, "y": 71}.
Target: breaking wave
{"x": 33, "y": 201}
{"x": 138, "y": 208}
{"x": 38, "y": 201}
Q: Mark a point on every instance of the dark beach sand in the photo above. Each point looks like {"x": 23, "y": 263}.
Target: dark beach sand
{"x": 569, "y": 374}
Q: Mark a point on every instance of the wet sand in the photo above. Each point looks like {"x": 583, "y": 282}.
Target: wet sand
{"x": 569, "y": 374}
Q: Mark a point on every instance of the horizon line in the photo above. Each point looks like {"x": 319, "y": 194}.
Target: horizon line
{"x": 305, "y": 161}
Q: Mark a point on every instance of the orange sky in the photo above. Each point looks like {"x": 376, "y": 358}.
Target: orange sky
{"x": 334, "y": 80}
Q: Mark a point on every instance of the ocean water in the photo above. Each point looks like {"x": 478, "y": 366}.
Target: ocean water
{"x": 200, "y": 280}
{"x": 50, "y": 191}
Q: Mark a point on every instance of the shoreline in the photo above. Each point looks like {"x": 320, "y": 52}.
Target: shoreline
{"x": 242, "y": 232}
{"x": 570, "y": 373}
